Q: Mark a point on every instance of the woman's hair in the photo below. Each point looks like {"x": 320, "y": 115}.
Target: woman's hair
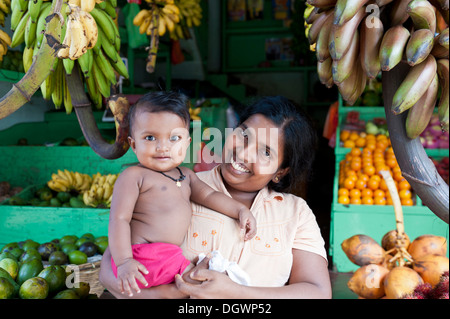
{"x": 300, "y": 138}
{"x": 161, "y": 101}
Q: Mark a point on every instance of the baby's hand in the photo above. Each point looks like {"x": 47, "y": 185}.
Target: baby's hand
{"x": 127, "y": 273}
{"x": 248, "y": 223}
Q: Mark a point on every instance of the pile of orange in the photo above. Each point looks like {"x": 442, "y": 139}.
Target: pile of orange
{"x": 359, "y": 179}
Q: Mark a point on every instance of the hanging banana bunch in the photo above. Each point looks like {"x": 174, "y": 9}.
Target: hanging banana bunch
{"x": 90, "y": 45}
{"x": 352, "y": 45}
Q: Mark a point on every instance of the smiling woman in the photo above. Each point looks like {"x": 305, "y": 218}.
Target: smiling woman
{"x": 271, "y": 150}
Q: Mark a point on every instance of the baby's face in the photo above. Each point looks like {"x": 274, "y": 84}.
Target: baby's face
{"x": 160, "y": 140}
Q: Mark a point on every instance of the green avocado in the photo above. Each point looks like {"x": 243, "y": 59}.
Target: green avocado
{"x": 58, "y": 258}
{"x": 7, "y": 254}
{"x": 30, "y": 254}
{"x": 6, "y": 289}
{"x": 46, "y": 249}
{"x": 55, "y": 276}
{"x": 89, "y": 248}
{"x": 67, "y": 294}
{"x": 63, "y": 196}
{"x": 29, "y": 243}
{"x": 82, "y": 289}
{"x": 7, "y": 276}
{"x": 29, "y": 269}
{"x": 75, "y": 202}
{"x": 34, "y": 288}
{"x": 9, "y": 247}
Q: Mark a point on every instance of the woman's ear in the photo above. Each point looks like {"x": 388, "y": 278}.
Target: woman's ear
{"x": 280, "y": 174}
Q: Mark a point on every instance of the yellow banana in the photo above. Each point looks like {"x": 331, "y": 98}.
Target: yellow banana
{"x": 87, "y": 5}
{"x": 140, "y": 17}
{"x": 90, "y": 27}
{"x": 68, "y": 106}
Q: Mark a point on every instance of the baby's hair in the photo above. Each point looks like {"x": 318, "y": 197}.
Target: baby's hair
{"x": 300, "y": 138}
{"x": 161, "y": 101}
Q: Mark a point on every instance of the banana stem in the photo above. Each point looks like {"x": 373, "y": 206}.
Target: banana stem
{"x": 83, "y": 110}
{"x": 154, "y": 42}
{"x": 22, "y": 91}
{"x": 416, "y": 167}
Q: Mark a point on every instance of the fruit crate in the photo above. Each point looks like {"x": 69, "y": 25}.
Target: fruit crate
{"x": 375, "y": 221}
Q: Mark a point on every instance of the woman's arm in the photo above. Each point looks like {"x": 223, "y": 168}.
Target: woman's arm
{"x": 309, "y": 279}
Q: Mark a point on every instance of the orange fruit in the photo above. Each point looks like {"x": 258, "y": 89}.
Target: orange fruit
{"x": 404, "y": 193}
{"x": 383, "y": 185}
{"x": 366, "y": 192}
{"x": 355, "y": 151}
{"x": 355, "y": 165}
{"x": 349, "y": 144}
{"x": 398, "y": 176}
{"x": 391, "y": 162}
{"x": 379, "y": 200}
{"x": 369, "y": 170}
{"x": 360, "y": 184}
{"x": 355, "y": 193}
{"x": 344, "y": 135}
{"x": 343, "y": 200}
{"x": 366, "y": 200}
{"x": 349, "y": 183}
{"x": 355, "y": 200}
{"x": 407, "y": 201}
{"x": 404, "y": 184}
{"x": 389, "y": 201}
{"x": 378, "y": 193}
{"x": 360, "y": 142}
{"x": 373, "y": 184}
{"x": 367, "y": 151}
{"x": 353, "y": 136}
{"x": 343, "y": 192}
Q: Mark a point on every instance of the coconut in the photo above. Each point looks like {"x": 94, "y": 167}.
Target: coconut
{"x": 367, "y": 281}
{"x": 401, "y": 281}
{"x": 428, "y": 245}
{"x": 363, "y": 250}
{"x": 431, "y": 267}
{"x": 389, "y": 240}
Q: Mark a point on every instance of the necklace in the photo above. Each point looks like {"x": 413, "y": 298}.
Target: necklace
{"x": 177, "y": 181}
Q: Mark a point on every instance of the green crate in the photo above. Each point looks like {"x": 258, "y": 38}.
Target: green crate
{"x": 375, "y": 221}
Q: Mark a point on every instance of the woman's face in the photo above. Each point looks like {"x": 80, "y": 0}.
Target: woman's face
{"x": 253, "y": 154}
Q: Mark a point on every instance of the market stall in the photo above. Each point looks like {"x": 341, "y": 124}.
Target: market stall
{"x": 76, "y": 67}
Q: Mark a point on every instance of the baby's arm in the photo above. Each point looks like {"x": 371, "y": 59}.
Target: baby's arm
{"x": 203, "y": 194}
{"x": 125, "y": 195}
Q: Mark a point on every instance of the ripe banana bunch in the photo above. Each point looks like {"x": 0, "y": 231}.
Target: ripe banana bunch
{"x": 5, "y": 41}
{"x": 5, "y": 9}
{"x": 353, "y": 45}
{"x": 90, "y": 45}
{"x": 195, "y": 113}
{"x": 190, "y": 14}
{"x": 101, "y": 190}
{"x": 162, "y": 19}
{"x": 66, "y": 181}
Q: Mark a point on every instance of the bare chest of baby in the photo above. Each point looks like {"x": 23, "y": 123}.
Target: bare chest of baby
{"x": 162, "y": 212}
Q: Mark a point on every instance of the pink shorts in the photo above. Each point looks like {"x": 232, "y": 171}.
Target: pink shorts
{"x": 163, "y": 261}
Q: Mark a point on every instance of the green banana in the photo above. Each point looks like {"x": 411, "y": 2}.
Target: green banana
{"x": 47, "y": 86}
{"x": 84, "y": 62}
{"x": 67, "y": 98}
{"x": 23, "y": 5}
{"x": 346, "y": 10}
{"x": 100, "y": 80}
{"x": 105, "y": 66}
{"x": 443, "y": 105}
{"x": 101, "y": 5}
{"x": 103, "y": 21}
{"x": 120, "y": 67}
{"x": 30, "y": 33}
{"x": 110, "y": 10}
{"x": 40, "y": 27}
{"x": 107, "y": 46}
{"x": 19, "y": 33}
{"x": 414, "y": 85}
{"x": 113, "y": 3}
{"x": 16, "y": 14}
{"x": 68, "y": 65}
{"x": 93, "y": 91}
{"x": 419, "y": 46}
{"x": 34, "y": 7}
{"x": 419, "y": 114}
{"x": 58, "y": 89}
{"x": 27, "y": 58}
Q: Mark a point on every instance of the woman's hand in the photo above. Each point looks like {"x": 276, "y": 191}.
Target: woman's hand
{"x": 214, "y": 285}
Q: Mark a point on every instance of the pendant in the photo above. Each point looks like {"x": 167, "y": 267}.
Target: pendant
{"x": 178, "y": 184}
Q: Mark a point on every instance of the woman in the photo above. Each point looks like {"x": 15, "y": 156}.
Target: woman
{"x": 270, "y": 151}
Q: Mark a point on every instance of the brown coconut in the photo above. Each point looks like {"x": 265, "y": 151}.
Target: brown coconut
{"x": 389, "y": 240}
{"x": 431, "y": 267}
{"x": 401, "y": 281}
{"x": 367, "y": 281}
{"x": 428, "y": 245}
{"x": 363, "y": 250}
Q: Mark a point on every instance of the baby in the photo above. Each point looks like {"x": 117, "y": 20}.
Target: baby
{"x": 151, "y": 209}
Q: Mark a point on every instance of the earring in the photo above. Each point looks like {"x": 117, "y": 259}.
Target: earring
{"x": 277, "y": 179}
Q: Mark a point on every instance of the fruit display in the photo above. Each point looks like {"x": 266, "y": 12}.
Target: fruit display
{"x": 394, "y": 268}
{"x": 360, "y": 181}
{"x": 5, "y": 41}
{"x": 72, "y": 189}
{"x": 6, "y": 191}
{"x": 12, "y": 60}
{"x": 432, "y": 136}
{"x": 353, "y": 44}
{"x": 442, "y": 168}
{"x": 89, "y": 36}
{"x": 32, "y": 270}
{"x": 164, "y": 16}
